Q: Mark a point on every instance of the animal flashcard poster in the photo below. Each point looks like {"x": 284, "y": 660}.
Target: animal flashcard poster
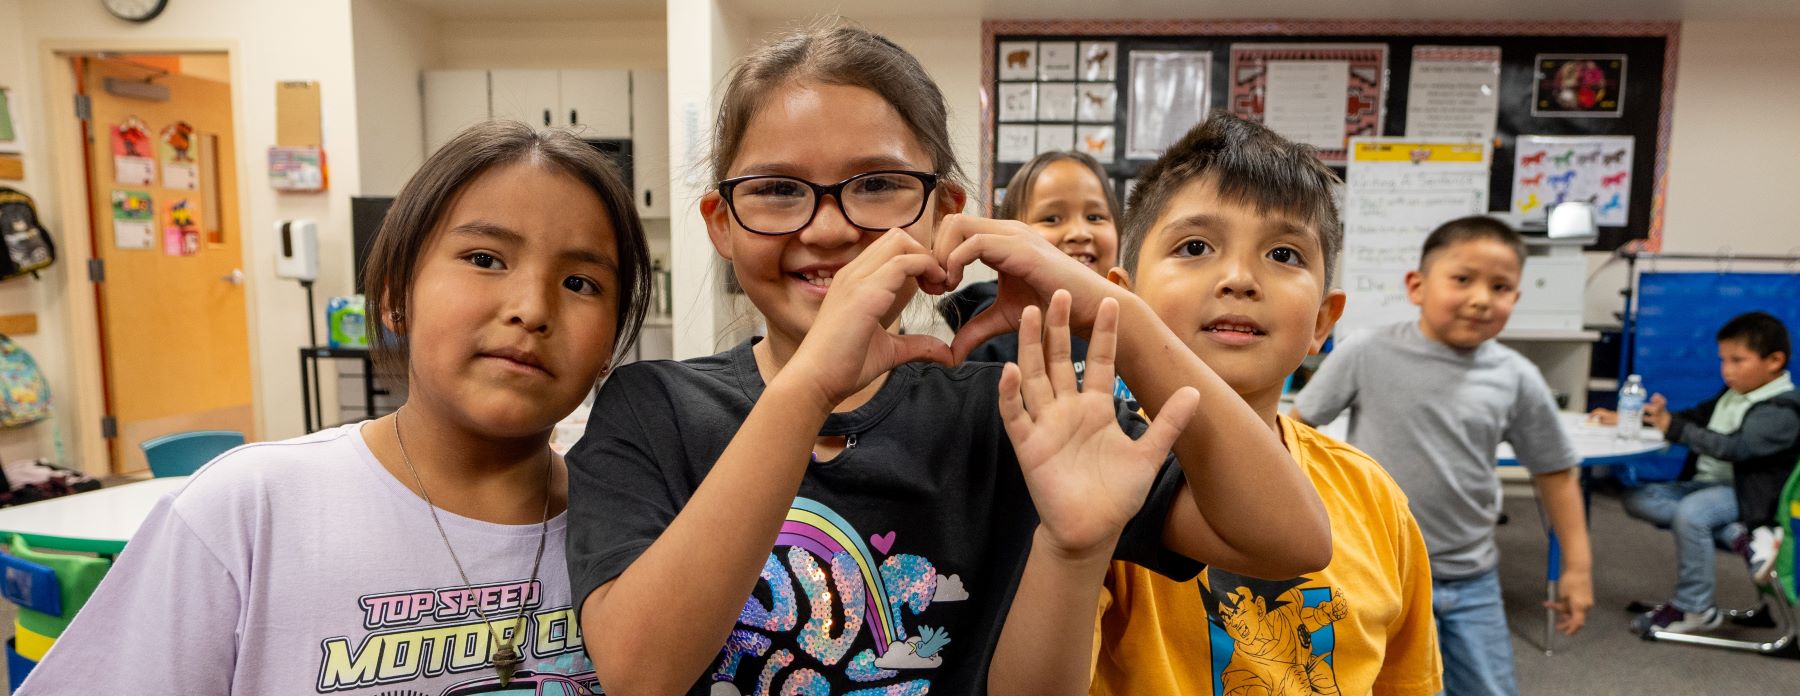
{"x": 1096, "y": 103}
{"x": 1018, "y": 60}
{"x": 181, "y": 236}
{"x": 1579, "y": 85}
{"x": 1018, "y": 101}
{"x": 1548, "y": 170}
{"x": 1017, "y": 144}
{"x": 1168, "y": 97}
{"x": 1096, "y": 141}
{"x": 132, "y": 163}
{"x": 1052, "y": 138}
{"x": 1099, "y": 61}
{"x": 1056, "y": 60}
{"x": 175, "y": 147}
{"x": 134, "y": 224}
{"x": 1056, "y": 102}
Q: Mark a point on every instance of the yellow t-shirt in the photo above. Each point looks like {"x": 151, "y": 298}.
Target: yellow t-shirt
{"x": 1363, "y": 625}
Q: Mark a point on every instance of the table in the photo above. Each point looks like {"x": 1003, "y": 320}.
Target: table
{"x": 312, "y": 391}
{"x": 98, "y": 522}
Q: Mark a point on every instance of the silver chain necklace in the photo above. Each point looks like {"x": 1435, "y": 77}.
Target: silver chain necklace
{"x": 506, "y": 659}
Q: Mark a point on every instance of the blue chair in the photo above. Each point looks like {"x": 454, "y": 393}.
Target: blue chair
{"x": 181, "y": 454}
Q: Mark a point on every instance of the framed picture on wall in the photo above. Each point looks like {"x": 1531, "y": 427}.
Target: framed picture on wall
{"x": 1168, "y": 97}
{"x": 1579, "y": 85}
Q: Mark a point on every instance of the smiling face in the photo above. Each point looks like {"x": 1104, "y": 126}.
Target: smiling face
{"x": 1068, "y": 207}
{"x": 1465, "y": 291}
{"x": 512, "y": 313}
{"x": 1244, "y": 290}
{"x": 824, "y": 134}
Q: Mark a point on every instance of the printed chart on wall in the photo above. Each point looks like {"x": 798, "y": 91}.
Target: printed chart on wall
{"x": 1550, "y": 170}
{"x": 1397, "y": 191}
{"x": 1318, "y": 94}
{"x": 1454, "y": 93}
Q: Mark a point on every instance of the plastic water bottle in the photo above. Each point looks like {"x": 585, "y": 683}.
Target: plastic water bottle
{"x": 1631, "y": 407}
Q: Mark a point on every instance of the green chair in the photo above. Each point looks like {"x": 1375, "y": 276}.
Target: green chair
{"x": 181, "y": 454}
{"x": 1779, "y": 597}
{"x": 45, "y": 611}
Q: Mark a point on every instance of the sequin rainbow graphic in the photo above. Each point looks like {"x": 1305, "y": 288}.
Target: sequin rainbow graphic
{"x": 817, "y": 529}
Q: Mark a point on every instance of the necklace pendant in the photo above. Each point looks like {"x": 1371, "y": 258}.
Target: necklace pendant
{"x": 506, "y": 663}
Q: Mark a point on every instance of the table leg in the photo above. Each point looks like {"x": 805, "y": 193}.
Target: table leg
{"x": 306, "y": 393}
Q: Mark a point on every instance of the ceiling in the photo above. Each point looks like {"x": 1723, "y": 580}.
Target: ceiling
{"x": 1624, "y": 10}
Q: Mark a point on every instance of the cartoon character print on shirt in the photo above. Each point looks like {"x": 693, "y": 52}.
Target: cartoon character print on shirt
{"x": 862, "y": 631}
{"x": 1270, "y": 636}
{"x": 424, "y": 634}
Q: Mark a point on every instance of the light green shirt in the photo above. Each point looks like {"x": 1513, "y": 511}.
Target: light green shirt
{"x": 1728, "y": 416}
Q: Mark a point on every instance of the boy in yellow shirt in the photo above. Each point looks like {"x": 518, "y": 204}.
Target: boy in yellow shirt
{"x": 1231, "y": 237}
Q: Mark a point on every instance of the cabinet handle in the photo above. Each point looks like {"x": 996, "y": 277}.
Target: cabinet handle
{"x": 647, "y": 202}
{"x": 572, "y": 119}
{"x": 546, "y": 117}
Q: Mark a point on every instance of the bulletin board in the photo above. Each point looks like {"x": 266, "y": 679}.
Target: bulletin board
{"x": 1611, "y": 150}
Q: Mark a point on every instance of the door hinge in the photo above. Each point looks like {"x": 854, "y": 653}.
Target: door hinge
{"x": 96, "y": 271}
{"x": 109, "y": 427}
{"x": 84, "y": 107}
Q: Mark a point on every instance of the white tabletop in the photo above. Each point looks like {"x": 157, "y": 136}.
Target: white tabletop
{"x": 1598, "y": 444}
{"x": 96, "y": 521}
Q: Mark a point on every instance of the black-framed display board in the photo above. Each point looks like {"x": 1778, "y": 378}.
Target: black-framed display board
{"x": 1578, "y": 111}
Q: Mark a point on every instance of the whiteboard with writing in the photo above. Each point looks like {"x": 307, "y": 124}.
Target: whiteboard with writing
{"x": 1397, "y": 190}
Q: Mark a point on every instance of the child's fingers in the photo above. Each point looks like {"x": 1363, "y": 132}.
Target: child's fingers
{"x": 1059, "y": 355}
{"x": 1031, "y": 359}
{"x": 1175, "y": 414}
{"x": 1012, "y": 404}
{"x": 920, "y": 348}
{"x": 1103, "y": 345}
{"x": 985, "y": 325}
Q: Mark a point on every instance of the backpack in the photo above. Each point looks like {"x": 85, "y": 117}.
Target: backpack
{"x": 24, "y": 395}
{"x": 28, "y": 245}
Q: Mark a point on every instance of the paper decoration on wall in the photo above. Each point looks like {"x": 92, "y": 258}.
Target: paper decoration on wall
{"x": 175, "y": 148}
{"x": 1099, "y": 61}
{"x": 1056, "y": 60}
{"x": 133, "y": 217}
{"x": 1548, "y": 170}
{"x": 1168, "y": 97}
{"x": 181, "y": 233}
{"x": 1454, "y": 93}
{"x": 1096, "y": 141}
{"x": 1052, "y": 138}
{"x": 1056, "y": 102}
{"x": 1096, "y": 103}
{"x": 1018, "y": 101}
{"x": 297, "y": 168}
{"x": 1304, "y": 101}
{"x": 6, "y": 123}
{"x": 1398, "y": 190}
{"x": 1579, "y": 85}
{"x": 1018, "y": 60}
{"x": 132, "y": 165}
{"x": 1297, "y": 90}
{"x": 1016, "y": 144}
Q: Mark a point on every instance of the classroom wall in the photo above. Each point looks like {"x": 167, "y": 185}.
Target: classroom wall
{"x": 393, "y": 42}
{"x": 273, "y": 41}
{"x": 564, "y": 43}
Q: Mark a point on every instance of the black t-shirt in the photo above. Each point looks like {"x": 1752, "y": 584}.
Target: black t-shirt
{"x": 958, "y": 307}
{"x": 898, "y": 558}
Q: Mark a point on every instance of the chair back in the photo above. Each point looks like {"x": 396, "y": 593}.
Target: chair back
{"x": 1787, "y": 562}
{"x": 181, "y": 454}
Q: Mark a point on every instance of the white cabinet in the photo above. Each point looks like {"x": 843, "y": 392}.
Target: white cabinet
{"x": 454, "y": 100}
{"x": 650, "y": 142}
{"x": 594, "y": 104}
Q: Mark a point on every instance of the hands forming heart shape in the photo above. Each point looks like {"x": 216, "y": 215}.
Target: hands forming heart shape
{"x": 853, "y": 317}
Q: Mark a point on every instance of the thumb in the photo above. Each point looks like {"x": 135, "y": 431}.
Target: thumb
{"x": 920, "y": 348}
{"x": 986, "y": 324}
{"x": 1175, "y": 414}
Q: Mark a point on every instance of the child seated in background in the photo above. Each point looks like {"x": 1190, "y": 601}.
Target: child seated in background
{"x": 1066, "y": 199}
{"x": 1742, "y": 447}
{"x": 1231, "y": 238}
{"x": 1431, "y": 400}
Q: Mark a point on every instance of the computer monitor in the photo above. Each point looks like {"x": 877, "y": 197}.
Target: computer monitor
{"x": 366, "y": 213}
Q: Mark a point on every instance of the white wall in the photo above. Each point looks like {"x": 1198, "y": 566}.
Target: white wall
{"x": 393, "y": 42}
{"x": 271, "y": 41}
{"x": 525, "y": 44}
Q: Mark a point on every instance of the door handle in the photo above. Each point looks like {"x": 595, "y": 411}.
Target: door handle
{"x": 235, "y": 277}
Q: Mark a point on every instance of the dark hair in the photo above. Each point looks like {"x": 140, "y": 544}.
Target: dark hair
{"x": 414, "y": 216}
{"x": 1250, "y": 165}
{"x": 1018, "y": 189}
{"x": 1761, "y": 332}
{"x": 1469, "y": 229}
{"x": 834, "y": 52}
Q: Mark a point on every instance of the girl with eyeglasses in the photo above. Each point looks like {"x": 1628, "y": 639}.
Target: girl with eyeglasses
{"x": 839, "y": 508}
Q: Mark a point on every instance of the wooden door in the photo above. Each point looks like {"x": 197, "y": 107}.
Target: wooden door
{"x": 174, "y": 333}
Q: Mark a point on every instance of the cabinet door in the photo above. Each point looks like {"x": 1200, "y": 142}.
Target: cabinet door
{"x": 454, "y": 100}
{"x": 527, "y": 96}
{"x": 650, "y": 141}
{"x": 596, "y": 103}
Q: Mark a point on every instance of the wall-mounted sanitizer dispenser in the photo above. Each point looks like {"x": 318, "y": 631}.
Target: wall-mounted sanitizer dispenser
{"x": 297, "y": 249}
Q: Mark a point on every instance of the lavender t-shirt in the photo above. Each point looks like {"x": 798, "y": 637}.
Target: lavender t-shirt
{"x": 304, "y": 567}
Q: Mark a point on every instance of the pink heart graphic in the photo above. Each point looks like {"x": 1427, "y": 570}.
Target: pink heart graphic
{"x": 882, "y": 542}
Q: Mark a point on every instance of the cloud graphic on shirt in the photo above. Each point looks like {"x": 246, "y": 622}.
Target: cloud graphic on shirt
{"x": 950, "y": 589}
{"x": 723, "y": 689}
{"x": 904, "y": 655}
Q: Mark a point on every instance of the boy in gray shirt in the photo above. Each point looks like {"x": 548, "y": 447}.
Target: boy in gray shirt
{"x": 1430, "y": 400}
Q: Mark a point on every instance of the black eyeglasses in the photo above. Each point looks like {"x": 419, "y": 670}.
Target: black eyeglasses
{"x": 872, "y": 201}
